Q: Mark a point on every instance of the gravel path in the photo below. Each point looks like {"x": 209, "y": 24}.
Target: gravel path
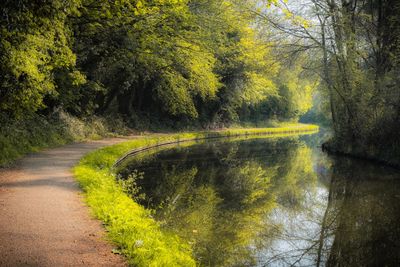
{"x": 43, "y": 218}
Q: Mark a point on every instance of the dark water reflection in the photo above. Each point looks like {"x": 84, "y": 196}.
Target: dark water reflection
{"x": 273, "y": 202}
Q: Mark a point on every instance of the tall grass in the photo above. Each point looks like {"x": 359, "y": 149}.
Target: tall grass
{"x": 139, "y": 237}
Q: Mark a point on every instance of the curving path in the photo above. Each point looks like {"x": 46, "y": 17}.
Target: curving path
{"x": 43, "y": 218}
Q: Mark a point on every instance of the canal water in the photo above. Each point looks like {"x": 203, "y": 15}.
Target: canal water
{"x": 271, "y": 202}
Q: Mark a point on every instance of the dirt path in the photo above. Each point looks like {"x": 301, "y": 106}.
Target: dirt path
{"x": 43, "y": 219}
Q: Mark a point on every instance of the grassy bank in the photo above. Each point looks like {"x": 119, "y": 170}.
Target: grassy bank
{"x": 130, "y": 225}
{"x": 20, "y": 137}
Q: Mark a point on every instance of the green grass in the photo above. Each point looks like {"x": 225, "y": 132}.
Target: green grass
{"x": 129, "y": 224}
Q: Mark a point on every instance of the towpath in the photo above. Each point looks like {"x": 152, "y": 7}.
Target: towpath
{"x": 43, "y": 218}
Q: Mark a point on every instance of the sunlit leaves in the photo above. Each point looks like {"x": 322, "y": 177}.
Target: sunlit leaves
{"x": 175, "y": 59}
{"x": 172, "y": 90}
{"x": 31, "y": 51}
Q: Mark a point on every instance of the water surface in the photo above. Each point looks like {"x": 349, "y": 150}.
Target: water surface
{"x": 272, "y": 202}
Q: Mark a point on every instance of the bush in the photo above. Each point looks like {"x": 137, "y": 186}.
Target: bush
{"x": 19, "y": 137}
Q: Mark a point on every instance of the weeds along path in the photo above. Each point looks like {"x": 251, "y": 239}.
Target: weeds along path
{"x": 43, "y": 218}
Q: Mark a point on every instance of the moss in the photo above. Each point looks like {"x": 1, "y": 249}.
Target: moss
{"x": 129, "y": 224}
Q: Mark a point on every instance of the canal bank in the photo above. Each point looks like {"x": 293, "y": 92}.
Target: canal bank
{"x": 129, "y": 224}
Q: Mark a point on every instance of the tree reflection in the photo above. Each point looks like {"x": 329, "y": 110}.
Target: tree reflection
{"x": 273, "y": 203}
{"x": 365, "y": 203}
{"x": 354, "y": 224}
{"x": 218, "y": 195}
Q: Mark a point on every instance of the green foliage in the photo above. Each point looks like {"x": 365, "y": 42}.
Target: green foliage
{"x": 245, "y": 62}
{"x": 363, "y": 77}
{"x": 154, "y": 57}
{"x": 296, "y": 91}
{"x": 192, "y": 60}
{"x": 164, "y": 62}
{"x": 20, "y": 137}
{"x": 320, "y": 112}
{"x": 130, "y": 186}
{"x": 34, "y": 43}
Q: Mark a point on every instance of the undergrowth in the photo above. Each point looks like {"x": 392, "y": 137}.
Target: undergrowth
{"x": 20, "y": 137}
{"x": 129, "y": 224}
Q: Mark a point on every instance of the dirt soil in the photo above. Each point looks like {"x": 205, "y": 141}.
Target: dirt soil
{"x": 43, "y": 218}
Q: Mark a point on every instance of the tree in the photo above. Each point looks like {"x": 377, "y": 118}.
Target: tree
{"x": 34, "y": 45}
{"x": 151, "y": 63}
{"x": 356, "y": 44}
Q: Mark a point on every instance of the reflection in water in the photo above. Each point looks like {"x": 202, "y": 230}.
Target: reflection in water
{"x": 272, "y": 202}
{"x": 364, "y": 210}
